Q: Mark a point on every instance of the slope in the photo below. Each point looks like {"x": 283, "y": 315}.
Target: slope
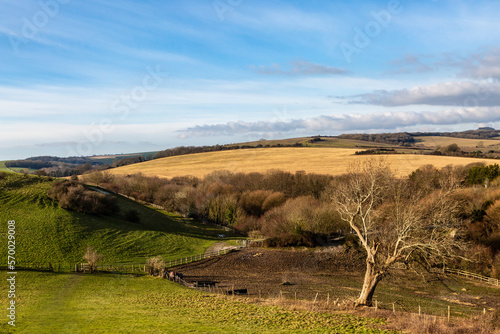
{"x": 46, "y": 233}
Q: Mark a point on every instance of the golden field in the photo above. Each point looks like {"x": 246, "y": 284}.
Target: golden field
{"x": 334, "y": 161}
{"x": 434, "y": 141}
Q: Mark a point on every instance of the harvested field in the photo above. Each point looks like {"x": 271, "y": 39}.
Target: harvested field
{"x": 333, "y": 161}
{"x": 435, "y": 141}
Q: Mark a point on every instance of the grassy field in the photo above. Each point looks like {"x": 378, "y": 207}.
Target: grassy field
{"x": 3, "y": 168}
{"x": 333, "y": 161}
{"x": 47, "y": 233}
{"x": 435, "y": 141}
{"x": 111, "y": 303}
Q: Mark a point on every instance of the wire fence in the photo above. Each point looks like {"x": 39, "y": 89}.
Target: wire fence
{"x": 326, "y": 301}
{"x": 120, "y": 267}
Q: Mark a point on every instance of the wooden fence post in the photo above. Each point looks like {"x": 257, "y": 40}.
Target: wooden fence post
{"x": 448, "y": 313}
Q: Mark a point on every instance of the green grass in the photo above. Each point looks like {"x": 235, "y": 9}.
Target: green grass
{"x": 106, "y": 303}
{"x": 3, "y": 168}
{"x": 46, "y": 233}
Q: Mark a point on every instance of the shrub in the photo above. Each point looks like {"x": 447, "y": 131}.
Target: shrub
{"x": 157, "y": 267}
{"x": 92, "y": 258}
{"x": 75, "y": 197}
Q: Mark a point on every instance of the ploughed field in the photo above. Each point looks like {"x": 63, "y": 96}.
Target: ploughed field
{"x": 337, "y": 277}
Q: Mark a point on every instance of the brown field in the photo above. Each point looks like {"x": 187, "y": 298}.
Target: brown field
{"x": 332, "y": 273}
{"x": 334, "y": 161}
{"x": 434, "y": 141}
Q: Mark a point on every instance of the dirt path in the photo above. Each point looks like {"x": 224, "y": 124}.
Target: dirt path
{"x": 218, "y": 246}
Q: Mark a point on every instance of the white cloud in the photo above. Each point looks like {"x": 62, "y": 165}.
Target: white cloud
{"x": 349, "y": 122}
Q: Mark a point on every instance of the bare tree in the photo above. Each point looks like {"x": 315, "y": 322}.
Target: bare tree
{"x": 394, "y": 223}
{"x": 92, "y": 258}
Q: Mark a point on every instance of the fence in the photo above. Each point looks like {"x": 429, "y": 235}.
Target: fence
{"x": 323, "y": 301}
{"x": 119, "y": 267}
{"x": 488, "y": 280}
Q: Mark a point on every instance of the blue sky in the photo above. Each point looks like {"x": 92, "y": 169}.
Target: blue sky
{"x": 97, "y": 77}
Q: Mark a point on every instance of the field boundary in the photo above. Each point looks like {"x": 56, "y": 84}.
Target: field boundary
{"x": 469, "y": 275}
{"x": 121, "y": 267}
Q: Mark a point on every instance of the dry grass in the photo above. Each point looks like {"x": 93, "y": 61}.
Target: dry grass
{"x": 399, "y": 321}
{"x": 434, "y": 141}
{"x": 334, "y": 161}
{"x": 428, "y": 324}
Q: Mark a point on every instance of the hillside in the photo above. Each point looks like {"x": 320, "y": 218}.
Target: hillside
{"x": 47, "y": 233}
{"x": 464, "y": 143}
{"x": 334, "y": 161}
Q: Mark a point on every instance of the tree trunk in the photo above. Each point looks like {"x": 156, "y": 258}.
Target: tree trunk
{"x": 372, "y": 278}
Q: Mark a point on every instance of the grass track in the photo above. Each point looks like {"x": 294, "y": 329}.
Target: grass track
{"x": 333, "y": 161}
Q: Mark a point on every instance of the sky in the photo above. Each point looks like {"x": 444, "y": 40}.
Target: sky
{"x": 81, "y": 78}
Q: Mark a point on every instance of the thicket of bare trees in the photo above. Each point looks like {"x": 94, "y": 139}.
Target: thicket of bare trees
{"x": 75, "y": 197}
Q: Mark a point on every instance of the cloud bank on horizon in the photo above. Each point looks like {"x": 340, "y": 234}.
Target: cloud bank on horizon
{"x": 84, "y": 78}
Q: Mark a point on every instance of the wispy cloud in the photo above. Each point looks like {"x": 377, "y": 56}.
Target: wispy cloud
{"x": 410, "y": 63}
{"x": 466, "y": 93}
{"x": 349, "y": 122}
{"x": 301, "y": 67}
{"x": 484, "y": 64}
{"x": 479, "y": 65}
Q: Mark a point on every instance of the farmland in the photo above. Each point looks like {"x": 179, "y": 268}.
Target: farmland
{"x": 334, "y": 161}
{"x": 438, "y": 141}
{"x": 110, "y": 302}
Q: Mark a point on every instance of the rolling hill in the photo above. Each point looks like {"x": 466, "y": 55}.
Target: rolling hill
{"x": 47, "y": 233}
{"x": 334, "y": 161}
